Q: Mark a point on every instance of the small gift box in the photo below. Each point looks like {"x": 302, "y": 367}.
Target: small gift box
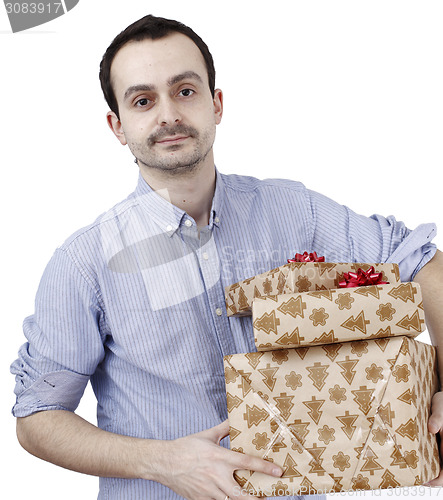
{"x": 297, "y": 277}
{"x": 328, "y": 316}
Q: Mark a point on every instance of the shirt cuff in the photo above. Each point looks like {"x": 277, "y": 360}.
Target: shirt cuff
{"x": 415, "y": 251}
{"x": 60, "y": 390}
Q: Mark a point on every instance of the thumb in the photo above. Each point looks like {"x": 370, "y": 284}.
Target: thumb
{"x": 217, "y": 433}
{"x": 435, "y": 422}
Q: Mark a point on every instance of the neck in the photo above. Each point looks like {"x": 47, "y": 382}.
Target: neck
{"x": 191, "y": 191}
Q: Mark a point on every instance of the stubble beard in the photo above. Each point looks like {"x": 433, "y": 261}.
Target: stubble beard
{"x": 172, "y": 161}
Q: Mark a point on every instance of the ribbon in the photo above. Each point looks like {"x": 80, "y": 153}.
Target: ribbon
{"x": 362, "y": 278}
{"x": 307, "y": 257}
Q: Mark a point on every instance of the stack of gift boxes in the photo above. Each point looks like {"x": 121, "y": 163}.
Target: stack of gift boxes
{"x": 338, "y": 393}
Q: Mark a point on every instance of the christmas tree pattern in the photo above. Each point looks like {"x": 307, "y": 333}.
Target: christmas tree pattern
{"x": 409, "y": 397}
{"x": 332, "y": 350}
{"x": 405, "y": 292}
{"x": 233, "y": 401}
{"x": 289, "y": 467}
{"x": 293, "y": 338}
{"x": 348, "y": 424}
{"x": 253, "y": 358}
{"x": 397, "y": 458}
{"x": 318, "y": 374}
{"x": 389, "y": 480}
{"x": 314, "y": 408}
{"x": 294, "y": 307}
{"x": 268, "y": 322}
{"x": 300, "y": 430}
{"x": 243, "y": 302}
{"x": 254, "y": 415}
{"x": 269, "y": 376}
{"x": 413, "y": 322}
{"x": 316, "y": 462}
{"x": 348, "y": 366}
{"x": 363, "y": 397}
{"x": 409, "y": 429}
{"x": 284, "y": 404}
{"x": 358, "y": 323}
{"x": 371, "y": 464}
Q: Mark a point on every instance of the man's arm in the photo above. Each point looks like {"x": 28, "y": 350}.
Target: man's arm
{"x": 195, "y": 466}
{"x": 430, "y": 278}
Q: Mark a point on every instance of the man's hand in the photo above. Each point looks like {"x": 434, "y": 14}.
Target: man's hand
{"x": 195, "y": 466}
{"x": 200, "y": 469}
{"x": 435, "y": 424}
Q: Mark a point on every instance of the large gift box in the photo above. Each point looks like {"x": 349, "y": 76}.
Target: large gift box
{"x": 335, "y": 415}
{"x": 296, "y": 277}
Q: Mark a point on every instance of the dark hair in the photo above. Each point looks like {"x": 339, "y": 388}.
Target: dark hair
{"x": 149, "y": 27}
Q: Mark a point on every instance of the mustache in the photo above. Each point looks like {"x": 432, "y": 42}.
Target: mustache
{"x": 179, "y": 129}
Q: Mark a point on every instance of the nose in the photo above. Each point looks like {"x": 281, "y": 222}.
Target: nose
{"x": 168, "y": 113}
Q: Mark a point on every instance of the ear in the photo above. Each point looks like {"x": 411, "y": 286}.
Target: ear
{"x": 116, "y": 126}
{"x": 218, "y": 105}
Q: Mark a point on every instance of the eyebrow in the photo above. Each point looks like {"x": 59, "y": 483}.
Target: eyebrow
{"x": 187, "y": 75}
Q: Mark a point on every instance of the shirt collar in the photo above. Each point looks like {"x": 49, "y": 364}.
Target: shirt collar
{"x": 169, "y": 217}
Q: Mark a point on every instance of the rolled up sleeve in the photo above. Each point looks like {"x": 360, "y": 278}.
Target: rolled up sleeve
{"x": 344, "y": 236}
{"x": 64, "y": 344}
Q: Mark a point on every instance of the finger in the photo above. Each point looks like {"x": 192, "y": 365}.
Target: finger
{"x": 248, "y": 462}
{"x": 438, "y": 481}
{"x": 435, "y": 421}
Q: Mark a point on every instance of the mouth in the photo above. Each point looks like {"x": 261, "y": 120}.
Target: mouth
{"x": 173, "y": 140}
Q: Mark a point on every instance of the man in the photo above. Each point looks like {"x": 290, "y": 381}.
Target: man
{"x": 134, "y": 302}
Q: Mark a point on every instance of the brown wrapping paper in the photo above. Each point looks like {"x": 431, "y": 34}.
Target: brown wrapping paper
{"x": 337, "y": 417}
{"x": 337, "y": 315}
{"x": 296, "y": 277}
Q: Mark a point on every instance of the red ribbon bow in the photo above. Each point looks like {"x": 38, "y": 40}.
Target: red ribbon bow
{"x": 362, "y": 278}
{"x": 307, "y": 257}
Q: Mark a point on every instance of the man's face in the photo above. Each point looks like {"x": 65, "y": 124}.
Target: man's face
{"x": 167, "y": 114}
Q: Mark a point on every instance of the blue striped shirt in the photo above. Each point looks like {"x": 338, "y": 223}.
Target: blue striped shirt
{"x": 135, "y": 303}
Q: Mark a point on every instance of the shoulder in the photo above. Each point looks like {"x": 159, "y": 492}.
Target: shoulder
{"x": 247, "y": 184}
{"x": 88, "y": 237}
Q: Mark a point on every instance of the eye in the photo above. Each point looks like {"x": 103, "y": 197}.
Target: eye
{"x": 186, "y": 92}
{"x": 141, "y": 103}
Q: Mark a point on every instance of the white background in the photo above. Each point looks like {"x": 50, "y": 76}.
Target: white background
{"x": 345, "y": 96}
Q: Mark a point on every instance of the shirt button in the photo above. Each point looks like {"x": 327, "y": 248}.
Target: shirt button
{"x": 188, "y": 223}
{"x": 205, "y": 256}
{"x": 169, "y": 228}
{"x": 217, "y": 220}
{"x": 218, "y": 311}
